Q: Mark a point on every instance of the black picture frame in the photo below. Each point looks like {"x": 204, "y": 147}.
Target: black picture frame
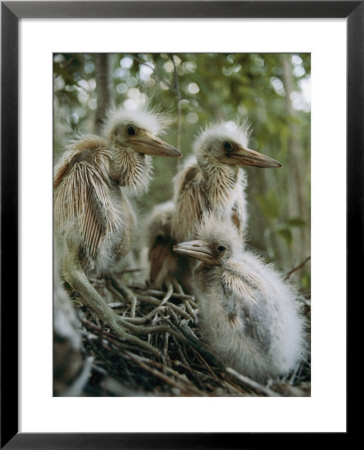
{"x": 11, "y": 12}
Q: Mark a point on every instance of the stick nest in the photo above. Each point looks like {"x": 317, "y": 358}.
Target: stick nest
{"x": 180, "y": 364}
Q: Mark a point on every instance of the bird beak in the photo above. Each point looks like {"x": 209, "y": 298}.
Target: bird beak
{"x": 151, "y": 145}
{"x": 248, "y": 157}
{"x": 195, "y": 249}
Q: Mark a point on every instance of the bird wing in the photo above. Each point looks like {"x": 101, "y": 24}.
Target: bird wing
{"x": 190, "y": 202}
{"x": 239, "y": 301}
{"x": 82, "y": 199}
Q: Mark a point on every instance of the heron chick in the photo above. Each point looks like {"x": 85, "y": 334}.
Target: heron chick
{"x": 213, "y": 180}
{"x": 93, "y": 217}
{"x": 249, "y": 317}
{"x": 161, "y": 262}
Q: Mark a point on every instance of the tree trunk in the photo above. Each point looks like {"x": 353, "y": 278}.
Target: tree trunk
{"x": 103, "y": 86}
{"x": 297, "y": 179}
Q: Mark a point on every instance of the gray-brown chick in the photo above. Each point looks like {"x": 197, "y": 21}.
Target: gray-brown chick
{"x": 163, "y": 265}
{"x": 249, "y": 317}
{"x": 94, "y": 220}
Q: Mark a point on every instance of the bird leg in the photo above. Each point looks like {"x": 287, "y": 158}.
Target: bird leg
{"x": 76, "y": 277}
{"x": 113, "y": 291}
{"x": 125, "y": 292}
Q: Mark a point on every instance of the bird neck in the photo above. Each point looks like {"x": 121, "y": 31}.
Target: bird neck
{"x": 219, "y": 179}
{"x": 131, "y": 169}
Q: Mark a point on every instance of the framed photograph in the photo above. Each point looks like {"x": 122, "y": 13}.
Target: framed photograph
{"x": 114, "y": 249}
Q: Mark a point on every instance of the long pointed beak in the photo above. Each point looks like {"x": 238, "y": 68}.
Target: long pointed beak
{"x": 195, "y": 249}
{"x": 249, "y": 157}
{"x": 151, "y": 145}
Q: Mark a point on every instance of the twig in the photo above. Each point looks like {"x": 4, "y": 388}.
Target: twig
{"x": 165, "y": 347}
{"x": 297, "y": 268}
{"x": 174, "y": 295}
{"x": 155, "y": 301}
{"x": 156, "y": 329}
{"x": 159, "y": 308}
{"x": 251, "y": 383}
{"x": 179, "y": 384}
{"x": 190, "y": 310}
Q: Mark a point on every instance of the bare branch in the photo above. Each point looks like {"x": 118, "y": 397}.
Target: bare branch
{"x": 297, "y": 268}
{"x": 251, "y": 383}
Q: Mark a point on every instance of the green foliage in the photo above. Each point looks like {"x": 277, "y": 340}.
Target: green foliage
{"x": 269, "y": 204}
{"x": 270, "y": 90}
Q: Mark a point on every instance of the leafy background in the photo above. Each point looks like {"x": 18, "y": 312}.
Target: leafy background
{"x": 271, "y": 90}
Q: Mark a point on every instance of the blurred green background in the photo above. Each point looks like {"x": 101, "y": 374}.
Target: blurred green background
{"x": 271, "y": 90}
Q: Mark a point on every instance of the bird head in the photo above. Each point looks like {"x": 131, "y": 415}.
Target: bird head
{"x": 138, "y": 130}
{"x": 217, "y": 242}
{"x": 227, "y": 143}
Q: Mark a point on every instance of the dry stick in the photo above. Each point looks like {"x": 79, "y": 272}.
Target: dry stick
{"x": 156, "y": 329}
{"x": 190, "y": 386}
{"x": 247, "y": 390}
{"x": 190, "y": 310}
{"x": 198, "y": 375}
{"x": 204, "y": 362}
{"x": 177, "y": 286}
{"x": 232, "y": 388}
{"x": 160, "y": 307}
{"x": 156, "y": 301}
{"x": 116, "y": 305}
{"x": 162, "y": 376}
{"x": 181, "y": 353}
{"x": 165, "y": 348}
{"x": 297, "y": 267}
{"x": 188, "y": 333}
{"x": 174, "y": 295}
{"x": 251, "y": 383}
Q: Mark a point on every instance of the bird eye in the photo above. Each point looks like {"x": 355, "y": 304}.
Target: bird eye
{"x": 130, "y": 130}
{"x": 227, "y": 146}
{"x": 159, "y": 238}
{"x": 221, "y": 248}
